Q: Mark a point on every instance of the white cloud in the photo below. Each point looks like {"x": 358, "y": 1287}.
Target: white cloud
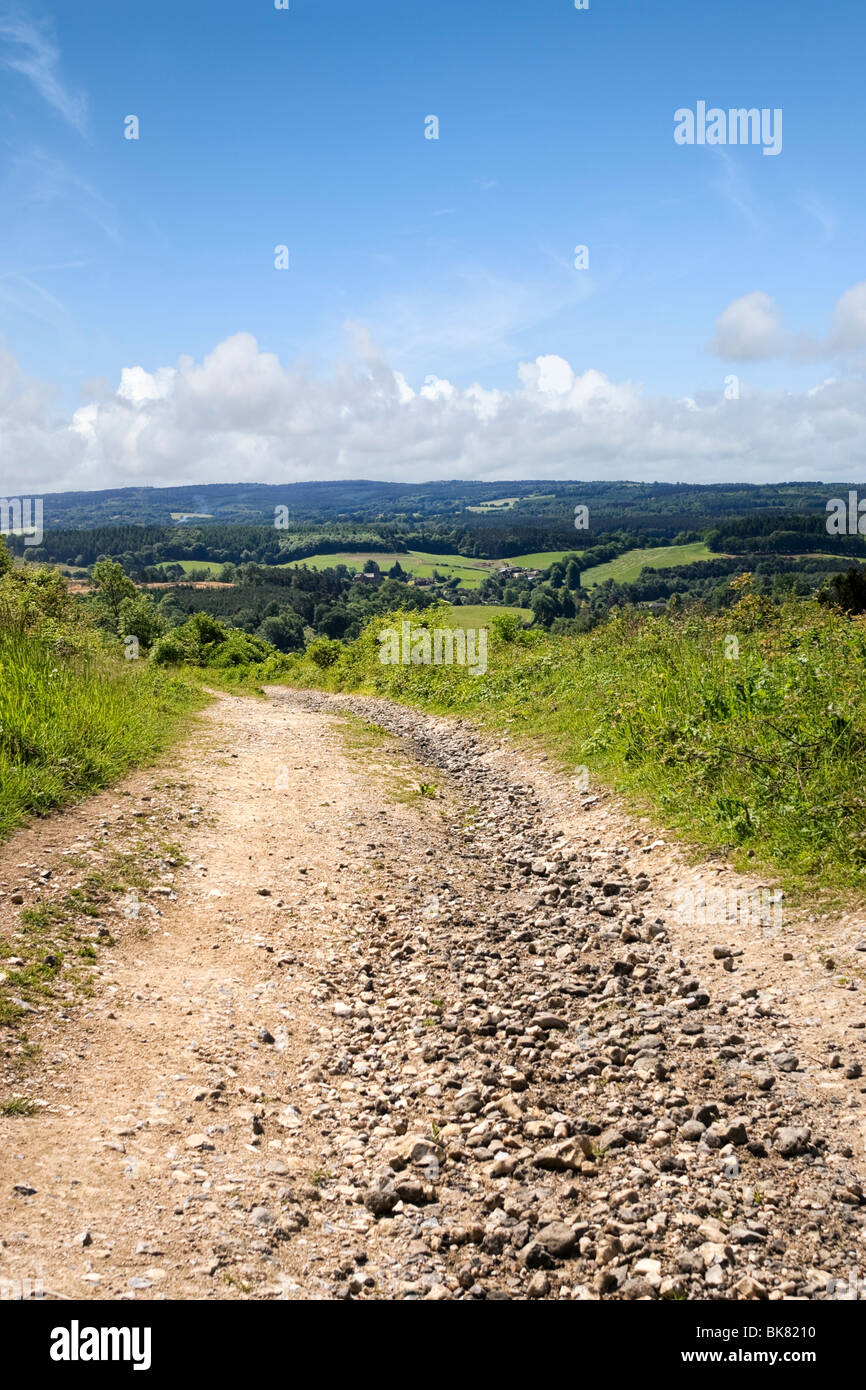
{"x": 138, "y": 386}
{"x": 751, "y": 329}
{"x": 848, "y": 333}
{"x": 551, "y": 382}
{"x": 32, "y": 51}
{"x": 437, "y": 389}
{"x": 36, "y": 443}
{"x": 241, "y": 415}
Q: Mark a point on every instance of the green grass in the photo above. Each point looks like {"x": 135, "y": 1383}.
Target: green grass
{"x": 354, "y": 560}
{"x": 539, "y": 559}
{"x": 423, "y": 563}
{"x": 18, "y": 1105}
{"x": 471, "y": 573}
{"x": 72, "y": 724}
{"x": 482, "y": 614}
{"x": 212, "y": 567}
{"x": 626, "y": 568}
{"x": 418, "y": 563}
{"x": 764, "y": 755}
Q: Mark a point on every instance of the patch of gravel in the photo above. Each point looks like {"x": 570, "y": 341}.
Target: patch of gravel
{"x": 550, "y": 1102}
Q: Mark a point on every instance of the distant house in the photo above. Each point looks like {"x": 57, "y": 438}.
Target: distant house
{"x": 517, "y": 572}
{"x": 368, "y": 577}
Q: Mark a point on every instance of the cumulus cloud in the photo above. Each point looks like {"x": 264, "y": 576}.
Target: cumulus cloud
{"x": 241, "y": 415}
{"x": 551, "y": 383}
{"x": 36, "y": 443}
{"x": 751, "y": 329}
{"x": 848, "y": 333}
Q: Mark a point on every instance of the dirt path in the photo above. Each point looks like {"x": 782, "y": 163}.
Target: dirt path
{"x": 412, "y": 1022}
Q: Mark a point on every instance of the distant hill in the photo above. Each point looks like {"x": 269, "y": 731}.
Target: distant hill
{"x": 638, "y": 507}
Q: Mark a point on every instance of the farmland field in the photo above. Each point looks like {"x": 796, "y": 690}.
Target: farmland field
{"x": 626, "y": 568}
{"x": 419, "y": 563}
{"x": 497, "y": 504}
{"x": 539, "y": 560}
{"x": 470, "y": 572}
{"x": 482, "y": 614}
{"x": 422, "y": 563}
{"x": 213, "y": 567}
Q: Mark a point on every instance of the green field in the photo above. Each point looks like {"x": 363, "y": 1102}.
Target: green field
{"x": 540, "y": 560}
{"x": 421, "y": 564}
{"x": 497, "y": 504}
{"x": 482, "y": 614}
{"x": 626, "y": 568}
{"x": 418, "y": 563}
{"x": 213, "y": 567}
{"x": 470, "y": 572}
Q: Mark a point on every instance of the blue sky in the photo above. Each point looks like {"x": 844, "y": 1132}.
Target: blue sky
{"x": 451, "y": 258}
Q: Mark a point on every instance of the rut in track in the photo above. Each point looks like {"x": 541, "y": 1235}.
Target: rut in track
{"x": 412, "y": 1022}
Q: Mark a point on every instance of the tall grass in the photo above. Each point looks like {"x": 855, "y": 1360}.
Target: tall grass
{"x": 754, "y": 747}
{"x": 72, "y": 722}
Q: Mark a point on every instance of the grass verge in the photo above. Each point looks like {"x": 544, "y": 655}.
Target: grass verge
{"x": 746, "y": 732}
{"x": 70, "y": 725}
